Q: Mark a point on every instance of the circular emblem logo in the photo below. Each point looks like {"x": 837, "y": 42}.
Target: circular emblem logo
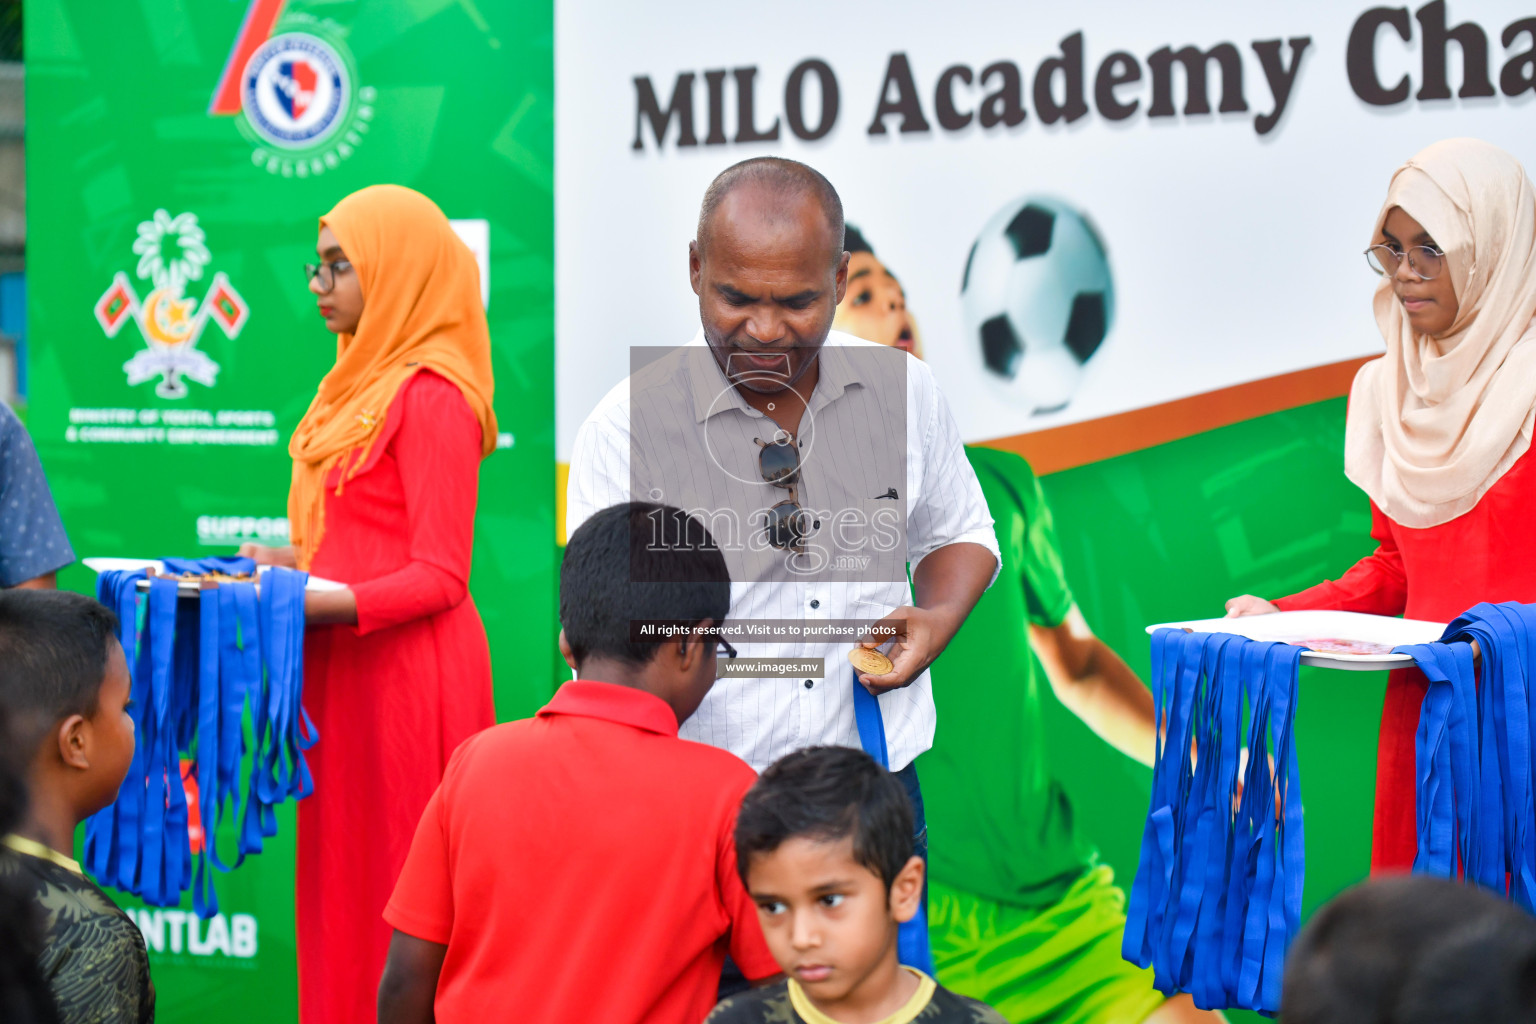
{"x": 295, "y": 90}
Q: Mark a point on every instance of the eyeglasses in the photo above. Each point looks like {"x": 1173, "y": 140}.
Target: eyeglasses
{"x": 723, "y": 649}
{"x": 1423, "y": 260}
{"x": 326, "y": 273}
{"x": 779, "y": 462}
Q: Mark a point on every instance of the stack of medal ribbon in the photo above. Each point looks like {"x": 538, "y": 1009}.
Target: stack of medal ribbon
{"x": 1475, "y": 807}
{"x": 204, "y": 666}
{"x": 1217, "y": 897}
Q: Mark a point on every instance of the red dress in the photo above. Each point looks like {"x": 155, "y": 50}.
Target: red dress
{"x": 393, "y": 696}
{"x": 1487, "y": 554}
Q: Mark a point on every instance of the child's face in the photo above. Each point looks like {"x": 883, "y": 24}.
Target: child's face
{"x": 875, "y": 306}
{"x": 112, "y": 733}
{"x": 828, "y": 919}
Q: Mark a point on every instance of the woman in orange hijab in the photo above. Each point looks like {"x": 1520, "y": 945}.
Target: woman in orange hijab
{"x": 385, "y": 471}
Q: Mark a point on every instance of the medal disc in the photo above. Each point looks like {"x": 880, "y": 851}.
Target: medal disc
{"x": 870, "y": 661}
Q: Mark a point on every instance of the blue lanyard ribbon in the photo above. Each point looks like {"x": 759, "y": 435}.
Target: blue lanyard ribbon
{"x": 196, "y": 668}
{"x": 1474, "y": 774}
{"x": 112, "y": 836}
{"x": 1217, "y": 895}
{"x": 912, "y": 946}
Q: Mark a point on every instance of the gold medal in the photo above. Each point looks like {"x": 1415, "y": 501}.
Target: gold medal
{"x": 870, "y": 661}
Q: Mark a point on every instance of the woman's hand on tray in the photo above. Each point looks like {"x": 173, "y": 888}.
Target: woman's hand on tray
{"x": 263, "y": 555}
{"x": 1247, "y": 604}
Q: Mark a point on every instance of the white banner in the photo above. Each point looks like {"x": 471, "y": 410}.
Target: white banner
{"x": 1230, "y": 159}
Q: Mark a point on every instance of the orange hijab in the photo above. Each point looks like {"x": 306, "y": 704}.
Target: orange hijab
{"x": 422, "y": 311}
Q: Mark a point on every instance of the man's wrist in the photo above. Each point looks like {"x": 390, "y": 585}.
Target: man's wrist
{"x": 945, "y": 620}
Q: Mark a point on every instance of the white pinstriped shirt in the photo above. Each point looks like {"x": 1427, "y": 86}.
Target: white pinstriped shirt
{"x": 677, "y": 432}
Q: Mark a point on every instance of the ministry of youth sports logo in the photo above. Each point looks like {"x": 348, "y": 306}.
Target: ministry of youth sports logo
{"x": 295, "y": 90}
{"x": 172, "y": 253}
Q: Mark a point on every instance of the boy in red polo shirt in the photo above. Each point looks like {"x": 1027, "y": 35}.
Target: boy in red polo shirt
{"x": 579, "y": 865}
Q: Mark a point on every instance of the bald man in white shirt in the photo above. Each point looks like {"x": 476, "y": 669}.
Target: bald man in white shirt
{"x": 880, "y": 480}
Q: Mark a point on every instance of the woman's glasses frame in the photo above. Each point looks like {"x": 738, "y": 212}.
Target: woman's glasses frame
{"x": 1385, "y": 260}
{"x": 326, "y": 273}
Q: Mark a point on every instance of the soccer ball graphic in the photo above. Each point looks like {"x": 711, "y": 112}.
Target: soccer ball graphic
{"x": 1038, "y": 300}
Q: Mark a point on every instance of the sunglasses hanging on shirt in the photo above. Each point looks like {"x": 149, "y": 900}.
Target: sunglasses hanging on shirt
{"x": 788, "y": 524}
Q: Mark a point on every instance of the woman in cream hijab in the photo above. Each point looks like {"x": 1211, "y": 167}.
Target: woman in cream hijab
{"x": 385, "y": 470}
{"x": 1439, "y": 429}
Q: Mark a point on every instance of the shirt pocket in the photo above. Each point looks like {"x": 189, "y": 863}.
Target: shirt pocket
{"x": 865, "y": 542}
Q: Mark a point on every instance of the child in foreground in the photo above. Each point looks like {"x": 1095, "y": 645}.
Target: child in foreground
{"x": 579, "y": 865}
{"x": 1413, "y": 949}
{"x": 64, "y": 686}
{"x": 24, "y": 995}
{"x": 824, "y": 845}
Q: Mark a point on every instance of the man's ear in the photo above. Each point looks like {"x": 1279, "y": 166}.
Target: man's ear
{"x": 74, "y": 735}
{"x": 695, "y": 265}
{"x": 907, "y": 889}
{"x": 841, "y": 286}
{"x": 566, "y": 652}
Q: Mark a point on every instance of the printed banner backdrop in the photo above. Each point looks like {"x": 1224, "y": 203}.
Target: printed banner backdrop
{"x": 179, "y": 155}
{"x": 1131, "y": 239}
{"x": 1213, "y": 171}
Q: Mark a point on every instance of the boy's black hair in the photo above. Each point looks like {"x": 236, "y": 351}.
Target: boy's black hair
{"x": 828, "y": 793}
{"x": 854, "y": 241}
{"x": 634, "y": 563}
{"x": 54, "y": 647}
{"x": 1413, "y": 950}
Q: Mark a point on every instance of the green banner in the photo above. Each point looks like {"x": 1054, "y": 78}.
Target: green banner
{"x": 179, "y": 154}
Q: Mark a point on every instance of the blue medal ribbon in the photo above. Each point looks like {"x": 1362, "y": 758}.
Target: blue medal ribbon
{"x": 1474, "y": 774}
{"x": 112, "y": 834}
{"x": 196, "y": 666}
{"x": 162, "y": 764}
{"x": 1217, "y": 895}
{"x": 912, "y": 946}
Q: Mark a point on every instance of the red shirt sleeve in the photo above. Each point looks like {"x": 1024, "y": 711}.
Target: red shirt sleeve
{"x": 1376, "y": 584}
{"x": 437, "y": 452}
{"x": 422, "y": 903}
{"x": 748, "y": 947}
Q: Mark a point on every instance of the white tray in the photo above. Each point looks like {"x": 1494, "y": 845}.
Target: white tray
{"x": 1319, "y": 625}
{"x": 101, "y": 565}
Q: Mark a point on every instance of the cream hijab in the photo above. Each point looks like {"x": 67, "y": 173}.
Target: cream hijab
{"x": 1437, "y": 421}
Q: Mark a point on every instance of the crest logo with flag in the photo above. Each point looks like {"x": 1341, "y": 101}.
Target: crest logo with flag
{"x": 172, "y": 252}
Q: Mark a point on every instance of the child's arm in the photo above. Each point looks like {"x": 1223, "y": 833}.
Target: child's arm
{"x": 409, "y": 985}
